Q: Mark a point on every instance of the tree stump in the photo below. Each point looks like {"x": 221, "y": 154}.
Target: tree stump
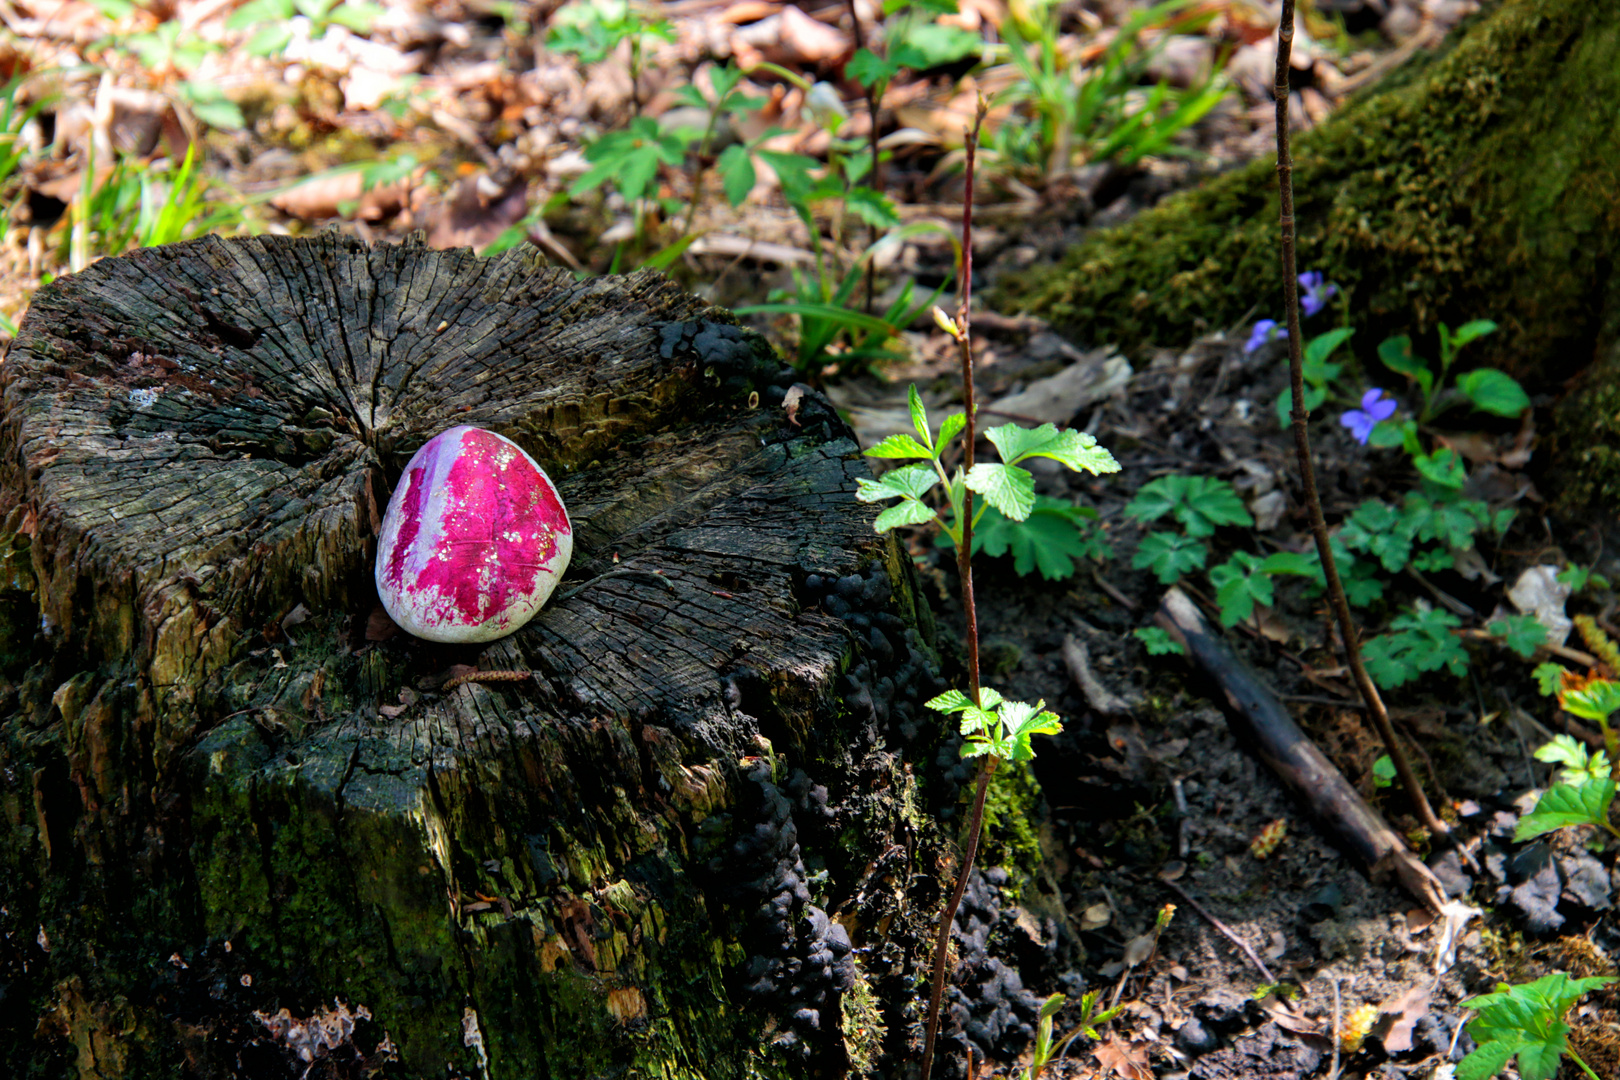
{"x": 244, "y": 837}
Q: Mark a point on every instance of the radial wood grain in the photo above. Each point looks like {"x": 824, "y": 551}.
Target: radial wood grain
{"x": 223, "y": 800}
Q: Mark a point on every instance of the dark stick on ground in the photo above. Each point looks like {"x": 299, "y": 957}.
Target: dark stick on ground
{"x": 1289, "y": 753}
{"x": 1302, "y": 448}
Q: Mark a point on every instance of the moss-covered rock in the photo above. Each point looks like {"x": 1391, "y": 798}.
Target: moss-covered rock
{"x": 1476, "y": 183}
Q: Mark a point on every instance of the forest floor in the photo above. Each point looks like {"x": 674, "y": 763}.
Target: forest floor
{"x": 453, "y": 118}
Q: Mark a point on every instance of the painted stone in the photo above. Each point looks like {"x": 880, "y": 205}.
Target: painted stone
{"x": 474, "y": 541}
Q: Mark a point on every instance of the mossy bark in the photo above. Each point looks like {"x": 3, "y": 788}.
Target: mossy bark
{"x": 1479, "y": 182}
{"x": 238, "y": 838}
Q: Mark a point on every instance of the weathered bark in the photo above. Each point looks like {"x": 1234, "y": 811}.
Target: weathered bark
{"x": 1478, "y": 182}
{"x": 221, "y": 801}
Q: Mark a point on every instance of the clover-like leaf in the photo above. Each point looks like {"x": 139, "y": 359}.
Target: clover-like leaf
{"x": 1169, "y": 556}
{"x": 1521, "y": 633}
{"x": 1008, "y": 488}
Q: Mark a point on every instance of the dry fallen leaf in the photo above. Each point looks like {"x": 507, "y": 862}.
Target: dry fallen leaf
{"x": 1398, "y": 1014}
{"x": 1127, "y": 1061}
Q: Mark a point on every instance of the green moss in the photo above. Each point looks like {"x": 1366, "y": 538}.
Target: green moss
{"x": 1587, "y": 441}
{"x": 1479, "y": 184}
{"x": 1013, "y": 810}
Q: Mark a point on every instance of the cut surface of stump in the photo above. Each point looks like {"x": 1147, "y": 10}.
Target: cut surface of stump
{"x": 249, "y": 825}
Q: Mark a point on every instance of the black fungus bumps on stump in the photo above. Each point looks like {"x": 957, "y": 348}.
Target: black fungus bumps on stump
{"x": 201, "y": 745}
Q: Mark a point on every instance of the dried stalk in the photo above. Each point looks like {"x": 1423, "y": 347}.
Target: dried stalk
{"x": 1302, "y": 446}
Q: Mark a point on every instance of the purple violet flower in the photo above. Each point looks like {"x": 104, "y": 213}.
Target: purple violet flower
{"x": 1264, "y": 331}
{"x": 1317, "y": 291}
{"x": 1374, "y": 408}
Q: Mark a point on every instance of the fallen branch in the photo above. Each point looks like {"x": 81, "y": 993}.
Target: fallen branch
{"x": 1293, "y": 757}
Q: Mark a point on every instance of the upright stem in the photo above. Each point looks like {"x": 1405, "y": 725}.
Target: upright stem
{"x": 872, "y": 140}
{"x": 1302, "y": 446}
{"x": 964, "y": 568}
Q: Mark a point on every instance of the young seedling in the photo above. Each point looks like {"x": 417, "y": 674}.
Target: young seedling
{"x": 1526, "y": 1022}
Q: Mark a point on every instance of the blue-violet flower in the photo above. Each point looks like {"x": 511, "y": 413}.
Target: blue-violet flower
{"x": 1317, "y": 291}
{"x": 1374, "y": 407}
{"x": 1264, "y": 331}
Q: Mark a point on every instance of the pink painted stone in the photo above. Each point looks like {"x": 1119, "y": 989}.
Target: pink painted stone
{"x": 474, "y": 541}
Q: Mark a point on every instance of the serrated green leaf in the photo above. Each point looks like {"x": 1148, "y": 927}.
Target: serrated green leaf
{"x": 912, "y": 481}
{"x": 931, "y": 45}
{"x": 1239, "y": 585}
{"x": 1443, "y": 467}
{"x": 1075, "y": 449}
{"x": 1169, "y": 556}
{"x": 1200, "y": 503}
{"x": 1595, "y": 701}
{"x": 1052, "y": 539}
{"x": 899, "y": 446}
{"x": 948, "y": 702}
{"x": 1549, "y": 677}
{"x": 1521, "y": 633}
{"x": 948, "y": 430}
{"x": 1419, "y": 641}
{"x": 1158, "y": 641}
{"x": 1008, "y": 488}
{"x": 869, "y": 69}
{"x": 919, "y": 414}
{"x": 1567, "y": 804}
{"x": 1486, "y": 1060}
{"x": 905, "y": 512}
{"x": 872, "y": 207}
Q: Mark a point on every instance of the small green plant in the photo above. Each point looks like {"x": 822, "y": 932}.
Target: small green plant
{"x": 593, "y": 29}
{"x": 1383, "y": 772}
{"x": 1005, "y": 486}
{"x": 269, "y": 21}
{"x": 1582, "y": 794}
{"x": 1420, "y": 640}
{"x": 1091, "y": 1018}
{"x": 145, "y": 205}
{"x": 1100, "y": 113}
{"x": 1578, "y": 765}
{"x": 1200, "y": 503}
{"x": 1526, "y": 1022}
{"x": 1524, "y": 634}
{"x": 1581, "y": 578}
{"x": 1054, "y": 538}
{"x": 1158, "y": 641}
{"x": 1487, "y": 389}
{"x": 1320, "y": 374}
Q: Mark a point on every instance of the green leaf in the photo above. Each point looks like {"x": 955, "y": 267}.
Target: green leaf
{"x": 919, "y": 415}
{"x": 1495, "y": 392}
{"x": 912, "y": 481}
{"x": 1169, "y": 556}
{"x": 1549, "y": 678}
{"x": 1200, "y": 503}
{"x": 1319, "y": 348}
{"x": 1158, "y": 641}
{"x": 932, "y": 45}
{"x": 1396, "y": 353}
{"x": 1578, "y": 765}
{"x": 1075, "y": 449}
{"x": 1470, "y": 330}
{"x": 1239, "y": 586}
{"x": 1314, "y": 396}
{"x": 1290, "y": 562}
{"x": 259, "y": 11}
{"x": 269, "y": 40}
{"x": 950, "y": 701}
{"x": 1379, "y": 530}
{"x": 1420, "y": 641}
{"x": 952, "y": 424}
{"x": 900, "y": 446}
{"x": 1383, "y": 771}
{"x": 793, "y": 172}
{"x": 1595, "y": 701}
{"x": 1521, "y": 633}
{"x": 736, "y": 173}
{"x": 1006, "y": 487}
{"x": 1052, "y": 539}
{"x": 1022, "y": 720}
{"x": 904, "y": 512}
{"x": 1487, "y": 1060}
{"x": 1567, "y": 804}
{"x": 1443, "y": 467}
{"x": 1385, "y": 434}
{"x": 869, "y": 69}
{"x": 872, "y": 207}
{"x": 357, "y": 16}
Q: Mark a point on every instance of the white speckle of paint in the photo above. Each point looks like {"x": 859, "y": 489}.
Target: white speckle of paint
{"x": 143, "y": 399}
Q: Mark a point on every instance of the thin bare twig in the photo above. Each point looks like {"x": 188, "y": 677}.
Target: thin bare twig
{"x": 1225, "y": 931}
{"x": 964, "y": 567}
{"x": 1302, "y": 446}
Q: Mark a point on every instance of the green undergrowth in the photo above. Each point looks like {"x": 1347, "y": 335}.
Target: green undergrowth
{"x": 1479, "y": 180}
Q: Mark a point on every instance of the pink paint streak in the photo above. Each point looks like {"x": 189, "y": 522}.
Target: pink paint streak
{"x": 477, "y": 526}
